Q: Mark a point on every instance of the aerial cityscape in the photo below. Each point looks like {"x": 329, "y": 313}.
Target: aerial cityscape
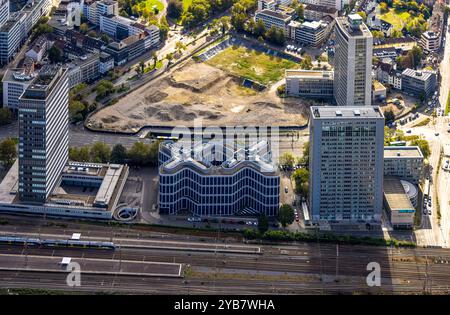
{"x": 234, "y": 147}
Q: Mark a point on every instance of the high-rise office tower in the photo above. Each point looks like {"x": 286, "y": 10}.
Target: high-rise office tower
{"x": 352, "y": 62}
{"x": 43, "y": 133}
{"x": 346, "y": 163}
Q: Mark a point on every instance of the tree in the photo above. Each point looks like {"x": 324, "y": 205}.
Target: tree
{"x": 423, "y": 145}
{"x": 416, "y": 55}
{"x": 224, "y": 23}
{"x": 304, "y": 160}
{"x": 139, "y": 153}
{"x": 179, "y": 46}
{"x": 363, "y": 15}
{"x": 174, "y": 9}
{"x": 286, "y": 160}
{"x": 5, "y": 116}
{"x": 169, "y": 57}
{"x": 306, "y": 62}
{"x": 377, "y": 34}
{"x": 84, "y": 28}
{"x": 389, "y": 115}
{"x": 55, "y": 54}
{"x": 260, "y": 28}
{"x": 301, "y": 177}
{"x": 118, "y": 154}
{"x": 384, "y": 7}
{"x": 79, "y": 154}
{"x": 263, "y": 224}
{"x": 154, "y": 58}
{"x": 8, "y": 151}
{"x": 286, "y": 215}
{"x": 100, "y": 153}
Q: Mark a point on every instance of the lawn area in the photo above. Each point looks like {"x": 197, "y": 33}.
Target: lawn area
{"x": 398, "y": 20}
{"x": 186, "y": 4}
{"x": 252, "y": 64}
{"x": 447, "y": 106}
{"x": 150, "y": 3}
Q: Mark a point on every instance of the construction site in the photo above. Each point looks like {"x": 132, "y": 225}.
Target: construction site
{"x": 198, "y": 90}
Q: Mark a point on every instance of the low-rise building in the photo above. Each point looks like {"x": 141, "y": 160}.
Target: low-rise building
{"x": 132, "y": 46}
{"x": 84, "y": 69}
{"x": 378, "y": 91}
{"x": 418, "y": 83}
{"x": 430, "y": 41}
{"x": 308, "y": 33}
{"x": 273, "y": 18}
{"x": 404, "y": 162}
{"x": 397, "y": 204}
{"x": 38, "y": 49}
{"x": 309, "y": 83}
{"x": 316, "y": 12}
{"x": 15, "y": 82}
{"x": 218, "y": 179}
{"x": 395, "y": 79}
{"x": 106, "y": 63}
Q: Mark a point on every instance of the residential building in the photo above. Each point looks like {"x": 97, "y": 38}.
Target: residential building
{"x": 315, "y": 12}
{"x": 395, "y": 79}
{"x": 404, "y": 162}
{"x": 84, "y": 69}
{"x": 430, "y": 41}
{"x": 309, "y": 83}
{"x": 346, "y": 163}
{"x": 43, "y": 134}
{"x": 38, "y": 49}
{"x": 419, "y": 83}
{"x": 15, "y": 82}
{"x": 398, "y": 205}
{"x": 106, "y": 63}
{"x": 273, "y": 18}
{"x": 218, "y": 179}
{"x": 352, "y": 62}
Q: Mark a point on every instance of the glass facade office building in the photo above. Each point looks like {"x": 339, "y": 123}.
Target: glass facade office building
{"x": 245, "y": 182}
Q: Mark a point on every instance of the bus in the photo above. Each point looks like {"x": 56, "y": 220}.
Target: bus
{"x": 426, "y": 188}
{"x": 306, "y": 213}
{"x": 397, "y": 143}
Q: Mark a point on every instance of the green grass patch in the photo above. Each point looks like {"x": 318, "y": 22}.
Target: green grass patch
{"x": 398, "y": 20}
{"x": 150, "y": 3}
{"x": 186, "y": 4}
{"x": 252, "y": 64}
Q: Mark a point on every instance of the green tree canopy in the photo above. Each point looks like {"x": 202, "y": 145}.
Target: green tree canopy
{"x": 286, "y": 215}
{"x": 8, "y": 151}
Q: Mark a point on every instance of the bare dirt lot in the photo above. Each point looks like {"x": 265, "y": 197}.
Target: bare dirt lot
{"x": 197, "y": 90}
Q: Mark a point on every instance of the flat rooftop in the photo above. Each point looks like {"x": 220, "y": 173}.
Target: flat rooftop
{"x": 274, "y": 14}
{"x": 218, "y": 158}
{"x": 340, "y": 112}
{"x": 18, "y": 75}
{"x": 402, "y": 152}
{"x": 418, "y": 74}
{"x": 395, "y": 195}
{"x": 359, "y": 29}
{"x": 309, "y": 74}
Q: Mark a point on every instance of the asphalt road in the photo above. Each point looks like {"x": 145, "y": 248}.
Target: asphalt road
{"x": 289, "y": 268}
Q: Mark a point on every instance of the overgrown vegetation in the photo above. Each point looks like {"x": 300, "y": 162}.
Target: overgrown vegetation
{"x": 79, "y": 108}
{"x": 284, "y": 235}
{"x": 251, "y": 64}
{"x": 8, "y": 152}
{"x": 140, "y": 154}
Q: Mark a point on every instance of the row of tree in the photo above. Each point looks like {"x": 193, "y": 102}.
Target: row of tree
{"x": 200, "y": 10}
{"x": 140, "y": 154}
{"x": 8, "y": 152}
